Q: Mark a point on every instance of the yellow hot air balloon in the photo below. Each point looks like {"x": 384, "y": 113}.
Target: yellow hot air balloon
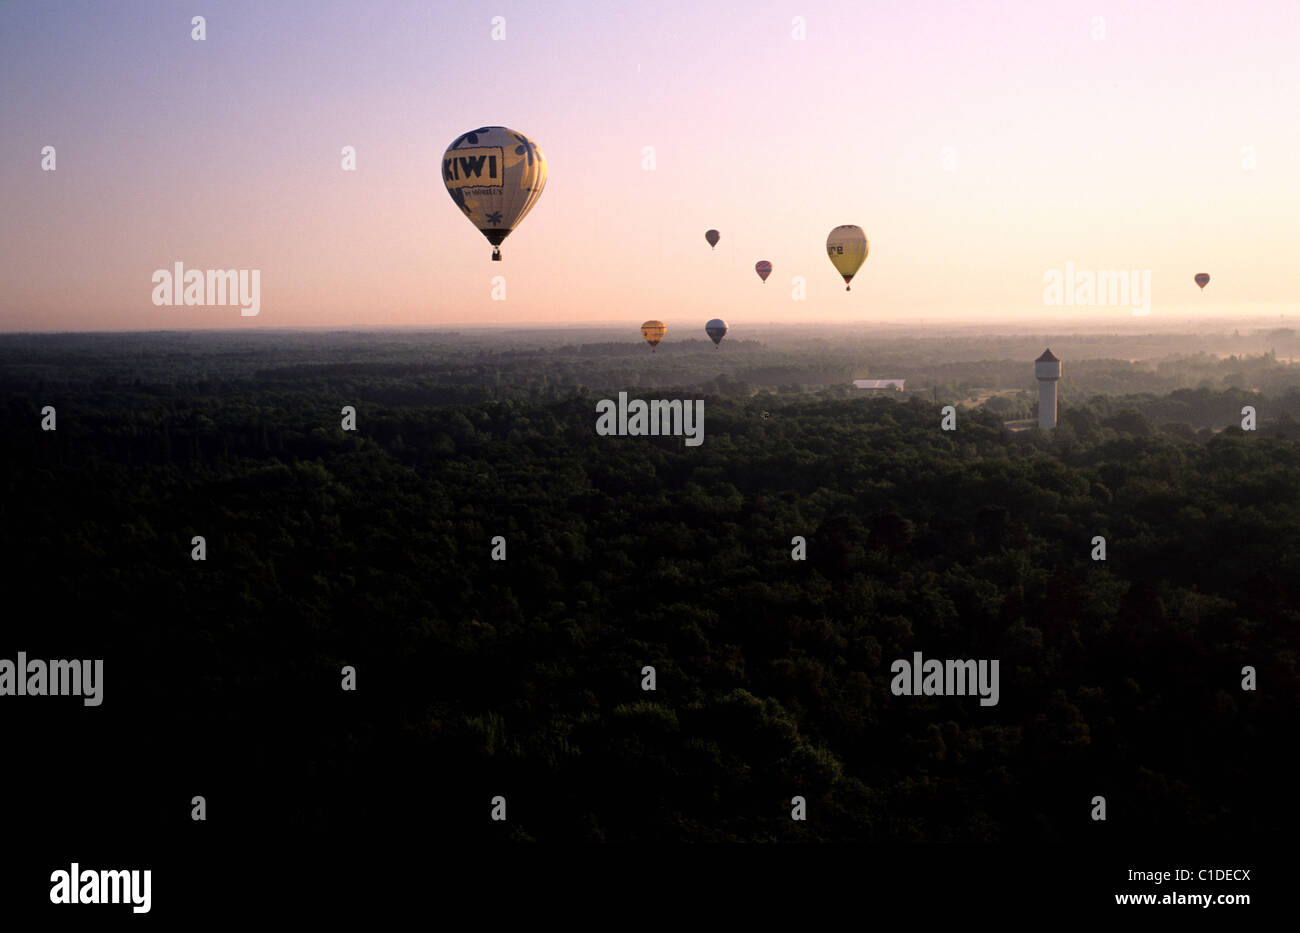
{"x": 653, "y": 332}
{"x": 495, "y": 176}
{"x": 847, "y": 248}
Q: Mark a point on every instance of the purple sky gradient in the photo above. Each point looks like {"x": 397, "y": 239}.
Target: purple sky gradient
{"x": 1124, "y": 153}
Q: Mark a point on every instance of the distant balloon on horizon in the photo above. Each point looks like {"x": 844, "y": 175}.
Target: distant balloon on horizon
{"x": 1202, "y": 279}
{"x": 712, "y": 236}
{"x": 653, "y": 332}
{"x": 716, "y": 329}
{"x": 763, "y": 268}
{"x": 847, "y": 248}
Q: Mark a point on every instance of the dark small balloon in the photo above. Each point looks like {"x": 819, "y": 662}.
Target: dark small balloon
{"x": 712, "y": 236}
{"x": 1202, "y": 279}
{"x": 763, "y": 268}
{"x": 716, "y": 329}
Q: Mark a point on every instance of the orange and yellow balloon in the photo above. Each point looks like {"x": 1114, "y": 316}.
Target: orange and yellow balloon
{"x": 653, "y": 332}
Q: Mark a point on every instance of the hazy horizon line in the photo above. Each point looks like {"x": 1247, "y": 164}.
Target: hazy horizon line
{"x": 1016, "y": 326}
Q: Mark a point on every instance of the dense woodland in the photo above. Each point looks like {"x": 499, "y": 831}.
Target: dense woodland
{"x": 522, "y": 677}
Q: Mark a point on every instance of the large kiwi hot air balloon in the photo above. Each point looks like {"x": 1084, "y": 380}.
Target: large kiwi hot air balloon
{"x": 716, "y": 329}
{"x": 653, "y": 332}
{"x": 712, "y": 236}
{"x": 1202, "y": 279}
{"x": 847, "y": 248}
{"x": 763, "y": 268}
{"x": 495, "y": 176}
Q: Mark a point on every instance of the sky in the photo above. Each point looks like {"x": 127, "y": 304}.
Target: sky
{"x": 980, "y": 145}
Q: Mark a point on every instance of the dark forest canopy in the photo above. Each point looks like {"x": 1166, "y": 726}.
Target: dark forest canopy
{"x": 327, "y": 548}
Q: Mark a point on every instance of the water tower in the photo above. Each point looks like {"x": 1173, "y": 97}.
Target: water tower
{"x": 1047, "y": 370}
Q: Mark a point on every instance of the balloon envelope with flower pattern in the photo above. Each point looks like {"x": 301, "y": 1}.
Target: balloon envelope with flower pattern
{"x": 495, "y": 175}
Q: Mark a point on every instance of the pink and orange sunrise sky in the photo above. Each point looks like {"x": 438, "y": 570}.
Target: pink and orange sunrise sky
{"x": 1132, "y": 151}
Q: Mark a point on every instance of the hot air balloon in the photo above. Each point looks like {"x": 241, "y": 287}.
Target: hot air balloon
{"x": 653, "y": 332}
{"x": 847, "y": 248}
{"x": 495, "y": 176}
{"x": 716, "y": 329}
{"x": 763, "y": 268}
{"x": 1202, "y": 279}
{"x": 712, "y": 236}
